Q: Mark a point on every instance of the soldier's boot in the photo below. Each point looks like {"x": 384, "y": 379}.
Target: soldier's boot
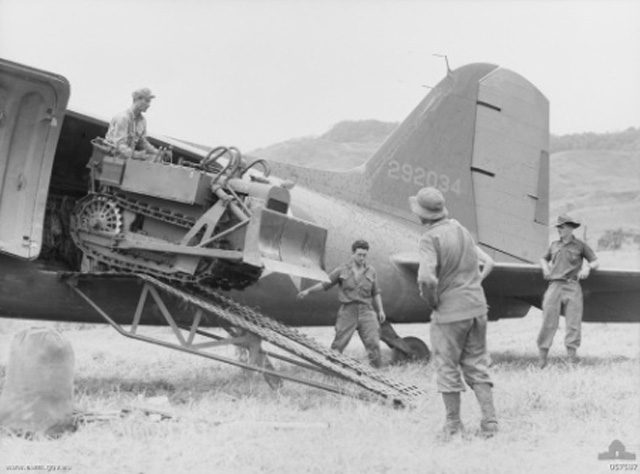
{"x": 543, "y": 359}
{"x": 572, "y": 356}
{"x": 453, "y": 424}
{"x": 489, "y": 422}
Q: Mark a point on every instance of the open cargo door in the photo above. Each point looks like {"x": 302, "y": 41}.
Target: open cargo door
{"x": 32, "y": 107}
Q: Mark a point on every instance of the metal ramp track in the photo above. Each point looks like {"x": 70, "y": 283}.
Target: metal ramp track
{"x": 246, "y": 326}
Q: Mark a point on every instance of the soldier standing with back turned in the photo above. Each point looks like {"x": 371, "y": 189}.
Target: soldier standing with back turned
{"x": 450, "y": 281}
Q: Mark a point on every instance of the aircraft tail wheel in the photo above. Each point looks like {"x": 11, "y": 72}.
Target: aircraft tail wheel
{"x": 419, "y": 351}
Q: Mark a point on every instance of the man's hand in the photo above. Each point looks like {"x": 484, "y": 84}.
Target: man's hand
{"x": 382, "y": 317}
{"x": 544, "y": 266}
{"x": 164, "y": 155}
{"x": 584, "y": 273}
{"x": 432, "y": 300}
{"x": 429, "y": 293}
{"x": 302, "y": 295}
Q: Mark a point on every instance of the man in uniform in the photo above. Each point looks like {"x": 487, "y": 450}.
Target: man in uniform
{"x": 449, "y": 280}
{"x": 563, "y": 267}
{"x": 359, "y": 296}
{"x": 128, "y": 130}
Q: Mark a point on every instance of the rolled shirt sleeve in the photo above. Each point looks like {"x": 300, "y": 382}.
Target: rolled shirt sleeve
{"x": 334, "y": 278}
{"x": 589, "y": 254}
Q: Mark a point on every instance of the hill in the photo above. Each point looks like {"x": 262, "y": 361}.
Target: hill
{"x": 347, "y": 145}
{"x": 602, "y": 189}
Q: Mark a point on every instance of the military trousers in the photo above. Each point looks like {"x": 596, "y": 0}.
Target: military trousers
{"x": 358, "y": 316}
{"x": 562, "y": 297}
{"x": 460, "y": 350}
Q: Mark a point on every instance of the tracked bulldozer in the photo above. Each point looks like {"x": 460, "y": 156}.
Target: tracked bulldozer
{"x": 221, "y": 222}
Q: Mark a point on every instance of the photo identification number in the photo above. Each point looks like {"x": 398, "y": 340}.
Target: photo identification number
{"x": 421, "y": 177}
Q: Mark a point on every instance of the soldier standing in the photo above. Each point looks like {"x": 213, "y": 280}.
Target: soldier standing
{"x": 449, "y": 280}
{"x": 563, "y": 267}
{"x": 359, "y": 296}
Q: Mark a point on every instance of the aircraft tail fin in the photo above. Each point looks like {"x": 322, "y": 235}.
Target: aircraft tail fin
{"x": 481, "y": 136}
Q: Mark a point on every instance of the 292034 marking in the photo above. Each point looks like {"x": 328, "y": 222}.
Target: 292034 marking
{"x": 421, "y": 177}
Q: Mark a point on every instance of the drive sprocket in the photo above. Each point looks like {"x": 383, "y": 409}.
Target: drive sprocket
{"x": 99, "y": 214}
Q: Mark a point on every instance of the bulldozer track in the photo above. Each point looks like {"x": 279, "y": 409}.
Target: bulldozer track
{"x": 117, "y": 260}
{"x": 291, "y": 340}
{"x": 148, "y": 210}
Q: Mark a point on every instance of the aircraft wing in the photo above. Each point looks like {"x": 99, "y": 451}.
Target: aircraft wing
{"x": 609, "y": 295}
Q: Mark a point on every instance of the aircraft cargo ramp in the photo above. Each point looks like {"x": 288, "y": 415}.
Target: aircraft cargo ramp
{"x": 187, "y": 309}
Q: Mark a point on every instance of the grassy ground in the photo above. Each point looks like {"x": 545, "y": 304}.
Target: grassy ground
{"x": 556, "y": 420}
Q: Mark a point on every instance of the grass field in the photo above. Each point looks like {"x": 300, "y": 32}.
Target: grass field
{"x": 555, "y": 420}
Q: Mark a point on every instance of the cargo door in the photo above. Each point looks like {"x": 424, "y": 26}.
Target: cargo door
{"x": 32, "y": 107}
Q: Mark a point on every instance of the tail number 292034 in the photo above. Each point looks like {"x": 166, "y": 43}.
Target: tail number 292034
{"x": 419, "y": 176}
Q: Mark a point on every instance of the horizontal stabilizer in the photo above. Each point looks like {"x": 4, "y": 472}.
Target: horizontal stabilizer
{"x": 609, "y": 295}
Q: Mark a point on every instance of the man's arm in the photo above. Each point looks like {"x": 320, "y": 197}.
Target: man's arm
{"x": 334, "y": 277}
{"x": 544, "y": 264}
{"x": 377, "y": 299}
{"x": 592, "y": 263}
{"x": 429, "y": 292}
{"x": 427, "y": 278}
{"x": 312, "y": 289}
{"x": 586, "y": 269}
{"x": 148, "y": 147}
{"x": 143, "y": 142}
{"x": 486, "y": 262}
{"x": 377, "y": 305}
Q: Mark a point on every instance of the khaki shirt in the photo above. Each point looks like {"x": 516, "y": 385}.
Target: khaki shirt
{"x": 129, "y": 133}
{"x": 352, "y": 289}
{"x": 449, "y": 261}
{"x": 565, "y": 259}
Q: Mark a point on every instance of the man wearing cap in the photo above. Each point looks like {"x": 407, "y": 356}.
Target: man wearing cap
{"x": 450, "y": 281}
{"x": 359, "y": 295}
{"x": 563, "y": 267}
{"x": 128, "y": 130}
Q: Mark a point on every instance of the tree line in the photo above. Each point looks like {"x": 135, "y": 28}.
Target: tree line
{"x": 627, "y": 140}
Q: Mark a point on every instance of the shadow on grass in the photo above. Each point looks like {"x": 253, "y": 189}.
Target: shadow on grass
{"x": 179, "y": 390}
{"x": 515, "y": 360}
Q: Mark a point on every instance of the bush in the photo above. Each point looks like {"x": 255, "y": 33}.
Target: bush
{"x": 615, "y": 239}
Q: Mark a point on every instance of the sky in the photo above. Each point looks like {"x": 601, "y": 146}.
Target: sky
{"x": 251, "y": 73}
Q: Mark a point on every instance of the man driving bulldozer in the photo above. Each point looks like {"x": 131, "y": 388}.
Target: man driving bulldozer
{"x": 128, "y": 130}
